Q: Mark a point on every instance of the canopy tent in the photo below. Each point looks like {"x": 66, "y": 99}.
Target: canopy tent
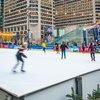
{"x": 7, "y": 35}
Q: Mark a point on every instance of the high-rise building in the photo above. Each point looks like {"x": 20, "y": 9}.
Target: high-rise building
{"x": 76, "y": 12}
{"x": 29, "y": 16}
{"x": 1, "y": 14}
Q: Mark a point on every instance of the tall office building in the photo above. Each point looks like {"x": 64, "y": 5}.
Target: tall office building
{"x": 33, "y": 16}
{"x": 76, "y": 12}
{"x": 1, "y": 14}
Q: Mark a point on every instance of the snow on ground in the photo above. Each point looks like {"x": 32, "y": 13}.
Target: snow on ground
{"x": 42, "y": 69}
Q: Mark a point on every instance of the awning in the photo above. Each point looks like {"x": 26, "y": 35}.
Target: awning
{"x": 6, "y": 35}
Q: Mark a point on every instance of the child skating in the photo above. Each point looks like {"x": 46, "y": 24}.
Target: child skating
{"x": 57, "y": 48}
{"x": 19, "y": 58}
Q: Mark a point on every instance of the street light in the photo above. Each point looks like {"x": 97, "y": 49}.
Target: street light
{"x": 44, "y": 30}
{"x": 28, "y": 28}
{"x": 28, "y": 15}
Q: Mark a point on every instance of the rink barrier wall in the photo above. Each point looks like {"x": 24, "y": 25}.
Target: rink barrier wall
{"x": 74, "y": 48}
{"x": 12, "y": 46}
{"x": 50, "y": 47}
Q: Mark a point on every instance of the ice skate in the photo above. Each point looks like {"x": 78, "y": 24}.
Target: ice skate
{"x": 23, "y": 71}
{"x": 14, "y": 71}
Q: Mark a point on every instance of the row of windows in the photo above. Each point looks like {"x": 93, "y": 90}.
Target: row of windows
{"x": 33, "y": 21}
{"x": 14, "y": 3}
{"x": 33, "y": 17}
{"x": 44, "y": 7}
{"x": 33, "y": 1}
{"x": 46, "y": 22}
{"x": 74, "y": 7}
{"x": 14, "y": 13}
{"x": 18, "y": 28}
{"x": 33, "y": 5}
{"x": 10, "y": 23}
{"x": 46, "y": 15}
{"x": 71, "y": 2}
{"x": 16, "y": 9}
{"x": 73, "y": 15}
{"x": 77, "y": 23}
{"x": 75, "y": 20}
{"x": 22, "y": 22}
{"x": 15, "y": 16}
{"x": 15, "y": 20}
{"x": 45, "y": 18}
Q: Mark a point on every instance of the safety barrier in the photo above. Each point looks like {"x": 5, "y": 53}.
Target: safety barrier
{"x": 40, "y": 47}
{"x": 12, "y": 46}
{"x": 50, "y": 47}
{"x": 97, "y": 48}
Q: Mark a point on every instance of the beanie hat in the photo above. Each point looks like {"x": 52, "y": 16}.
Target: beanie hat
{"x": 21, "y": 49}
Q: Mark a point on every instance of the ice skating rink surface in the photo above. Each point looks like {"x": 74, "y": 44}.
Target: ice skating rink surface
{"x": 42, "y": 69}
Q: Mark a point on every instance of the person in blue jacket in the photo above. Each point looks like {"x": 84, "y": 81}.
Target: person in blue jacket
{"x": 19, "y": 58}
{"x": 63, "y": 50}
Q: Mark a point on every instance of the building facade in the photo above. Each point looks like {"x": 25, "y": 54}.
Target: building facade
{"x": 1, "y": 14}
{"x": 29, "y": 17}
{"x": 76, "y": 12}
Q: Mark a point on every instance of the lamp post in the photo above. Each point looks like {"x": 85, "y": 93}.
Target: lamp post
{"x": 44, "y": 28}
{"x": 28, "y": 22}
{"x": 28, "y": 28}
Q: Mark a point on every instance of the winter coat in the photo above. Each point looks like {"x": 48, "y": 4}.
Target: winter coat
{"x": 92, "y": 48}
{"x": 20, "y": 54}
{"x": 44, "y": 45}
{"x": 63, "y": 47}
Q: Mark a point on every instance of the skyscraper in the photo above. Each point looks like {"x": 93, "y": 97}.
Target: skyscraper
{"x": 1, "y": 14}
{"x": 29, "y": 16}
{"x": 76, "y": 12}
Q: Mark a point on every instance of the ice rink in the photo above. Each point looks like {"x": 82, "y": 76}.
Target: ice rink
{"x": 42, "y": 69}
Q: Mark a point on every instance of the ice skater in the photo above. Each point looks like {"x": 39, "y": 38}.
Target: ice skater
{"x": 63, "y": 50}
{"x": 44, "y": 46}
{"x": 92, "y": 51}
{"x": 57, "y": 47}
{"x": 83, "y": 47}
{"x": 19, "y": 58}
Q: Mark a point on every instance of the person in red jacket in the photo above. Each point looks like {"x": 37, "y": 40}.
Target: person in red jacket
{"x": 19, "y": 58}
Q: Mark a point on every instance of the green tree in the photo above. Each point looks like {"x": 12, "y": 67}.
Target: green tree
{"x": 95, "y": 94}
{"x": 73, "y": 95}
